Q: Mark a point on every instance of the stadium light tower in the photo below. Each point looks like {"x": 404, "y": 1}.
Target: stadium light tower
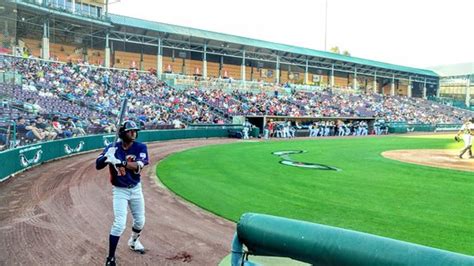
{"x": 107, "y": 3}
{"x": 326, "y": 25}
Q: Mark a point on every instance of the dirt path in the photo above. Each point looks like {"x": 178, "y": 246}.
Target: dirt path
{"x": 60, "y": 213}
{"x": 438, "y": 158}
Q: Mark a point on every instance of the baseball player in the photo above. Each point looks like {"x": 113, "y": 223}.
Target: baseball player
{"x": 246, "y": 129}
{"x": 467, "y": 131}
{"x": 266, "y": 130}
{"x": 126, "y": 160}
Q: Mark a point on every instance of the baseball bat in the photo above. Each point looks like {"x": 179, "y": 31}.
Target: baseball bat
{"x": 123, "y": 109}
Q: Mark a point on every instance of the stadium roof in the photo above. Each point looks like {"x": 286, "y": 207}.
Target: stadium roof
{"x": 454, "y": 70}
{"x": 180, "y": 30}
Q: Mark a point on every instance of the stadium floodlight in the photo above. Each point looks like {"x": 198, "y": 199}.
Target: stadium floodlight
{"x": 326, "y": 26}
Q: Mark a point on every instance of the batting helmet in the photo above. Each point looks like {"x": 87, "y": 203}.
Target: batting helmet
{"x": 127, "y": 126}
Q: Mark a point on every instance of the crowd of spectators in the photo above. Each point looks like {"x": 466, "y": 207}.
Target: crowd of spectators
{"x": 82, "y": 99}
{"x": 100, "y": 91}
{"x": 326, "y": 103}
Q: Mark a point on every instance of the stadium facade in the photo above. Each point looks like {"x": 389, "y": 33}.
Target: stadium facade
{"x": 457, "y": 83}
{"x": 78, "y": 31}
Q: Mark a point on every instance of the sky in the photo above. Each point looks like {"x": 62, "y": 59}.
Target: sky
{"x": 416, "y": 33}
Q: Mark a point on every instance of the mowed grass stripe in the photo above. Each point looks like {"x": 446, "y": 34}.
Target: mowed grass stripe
{"x": 420, "y": 204}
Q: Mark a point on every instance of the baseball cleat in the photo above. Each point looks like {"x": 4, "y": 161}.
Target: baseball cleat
{"x": 110, "y": 261}
{"x": 136, "y": 245}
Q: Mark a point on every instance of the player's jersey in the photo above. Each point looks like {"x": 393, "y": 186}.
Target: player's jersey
{"x": 468, "y": 128}
{"x": 125, "y": 177}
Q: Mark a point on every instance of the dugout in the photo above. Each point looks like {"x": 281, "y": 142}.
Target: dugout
{"x": 304, "y": 121}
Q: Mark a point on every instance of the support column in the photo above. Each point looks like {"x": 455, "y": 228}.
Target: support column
{"x": 107, "y": 50}
{"x": 106, "y": 8}
{"x": 242, "y": 67}
{"x": 73, "y": 6}
{"x": 332, "y": 76}
{"x": 354, "y": 80}
{"x": 277, "y": 70}
{"x": 204, "y": 62}
{"x": 142, "y": 65}
{"x": 45, "y": 41}
{"x": 424, "y": 89}
{"x": 392, "y": 87}
{"x": 221, "y": 67}
{"x": 438, "y": 91}
{"x": 409, "y": 87}
{"x": 159, "y": 60}
{"x": 306, "y": 72}
{"x": 375, "y": 83}
{"x": 468, "y": 91}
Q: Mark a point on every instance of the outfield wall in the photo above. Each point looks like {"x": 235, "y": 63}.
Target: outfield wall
{"x": 403, "y": 127}
{"x": 19, "y": 159}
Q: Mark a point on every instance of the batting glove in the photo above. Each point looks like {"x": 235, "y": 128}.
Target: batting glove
{"x": 111, "y": 159}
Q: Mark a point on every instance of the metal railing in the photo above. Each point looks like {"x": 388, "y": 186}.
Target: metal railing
{"x": 80, "y": 9}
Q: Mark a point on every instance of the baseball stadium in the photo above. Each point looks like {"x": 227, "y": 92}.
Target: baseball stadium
{"x": 241, "y": 151}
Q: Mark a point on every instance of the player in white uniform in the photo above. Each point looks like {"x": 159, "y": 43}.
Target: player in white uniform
{"x": 467, "y": 131}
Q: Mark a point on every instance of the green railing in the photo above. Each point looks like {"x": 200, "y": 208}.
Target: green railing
{"x": 10, "y": 77}
{"x": 459, "y": 103}
{"x": 317, "y": 244}
{"x": 403, "y": 127}
{"x": 397, "y": 127}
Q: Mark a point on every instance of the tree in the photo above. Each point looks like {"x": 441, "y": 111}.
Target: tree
{"x": 335, "y": 50}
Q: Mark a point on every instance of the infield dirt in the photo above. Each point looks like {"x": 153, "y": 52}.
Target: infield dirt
{"x": 442, "y": 158}
{"x": 60, "y": 213}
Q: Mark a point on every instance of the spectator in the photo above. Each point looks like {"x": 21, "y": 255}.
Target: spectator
{"x": 59, "y": 129}
{"x": 27, "y": 133}
{"x": 31, "y": 106}
{"x": 45, "y": 128}
{"x": 71, "y": 126}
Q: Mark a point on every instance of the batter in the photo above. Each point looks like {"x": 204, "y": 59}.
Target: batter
{"x": 126, "y": 160}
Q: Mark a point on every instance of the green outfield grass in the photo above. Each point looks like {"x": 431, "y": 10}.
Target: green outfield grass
{"x": 420, "y": 204}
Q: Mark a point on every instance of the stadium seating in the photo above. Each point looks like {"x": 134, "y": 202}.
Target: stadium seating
{"x": 93, "y": 95}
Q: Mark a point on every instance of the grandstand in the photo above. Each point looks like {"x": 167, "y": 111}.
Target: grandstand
{"x": 65, "y": 33}
{"x": 456, "y": 82}
{"x": 75, "y": 61}
{"x": 68, "y": 68}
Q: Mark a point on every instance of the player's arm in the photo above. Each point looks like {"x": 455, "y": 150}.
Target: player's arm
{"x": 141, "y": 161}
{"x": 134, "y": 166}
{"x": 461, "y": 130}
{"x": 100, "y": 162}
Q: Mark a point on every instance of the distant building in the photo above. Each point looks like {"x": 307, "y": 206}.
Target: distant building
{"x": 457, "y": 82}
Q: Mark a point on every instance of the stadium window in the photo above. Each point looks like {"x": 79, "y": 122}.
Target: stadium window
{"x": 78, "y": 8}
{"x": 85, "y": 9}
{"x": 69, "y": 5}
{"x": 53, "y": 3}
{"x": 93, "y": 11}
{"x": 62, "y": 4}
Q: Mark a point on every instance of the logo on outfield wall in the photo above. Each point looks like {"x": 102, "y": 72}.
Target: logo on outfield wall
{"x": 286, "y": 160}
{"x": 108, "y": 139}
{"x": 24, "y": 161}
{"x": 69, "y": 150}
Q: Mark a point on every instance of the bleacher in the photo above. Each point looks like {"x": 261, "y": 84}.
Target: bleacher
{"x": 92, "y": 94}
